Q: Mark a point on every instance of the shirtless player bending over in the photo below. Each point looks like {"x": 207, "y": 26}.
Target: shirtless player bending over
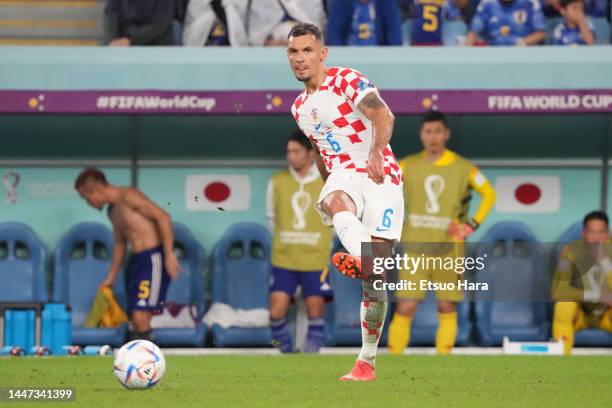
{"x": 148, "y": 229}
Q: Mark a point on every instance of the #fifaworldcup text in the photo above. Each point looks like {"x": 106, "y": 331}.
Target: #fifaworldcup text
{"x": 553, "y": 102}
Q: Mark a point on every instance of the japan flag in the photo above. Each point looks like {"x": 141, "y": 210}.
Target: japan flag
{"x": 528, "y": 194}
{"x": 212, "y": 192}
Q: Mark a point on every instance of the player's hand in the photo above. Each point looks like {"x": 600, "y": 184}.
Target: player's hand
{"x": 376, "y": 170}
{"x": 108, "y": 282}
{"x": 576, "y": 16}
{"x": 459, "y": 231}
{"x": 172, "y": 265}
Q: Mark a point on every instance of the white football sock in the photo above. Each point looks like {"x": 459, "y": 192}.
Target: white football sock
{"x": 373, "y": 311}
{"x": 351, "y": 231}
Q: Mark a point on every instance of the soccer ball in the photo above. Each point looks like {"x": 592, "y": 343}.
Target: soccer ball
{"x": 139, "y": 364}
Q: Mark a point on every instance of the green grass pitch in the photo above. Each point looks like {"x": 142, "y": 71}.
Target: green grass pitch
{"x": 311, "y": 380}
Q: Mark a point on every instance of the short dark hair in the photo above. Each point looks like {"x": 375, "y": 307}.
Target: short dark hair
{"x": 300, "y": 138}
{"x": 595, "y": 215}
{"x": 301, "y": 29}
{"x": 434, "y": 116}
{"x": 89, "y": 174}
{"x": 565, "y": 3}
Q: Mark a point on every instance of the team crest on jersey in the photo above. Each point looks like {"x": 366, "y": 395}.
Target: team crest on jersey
{"x": 314, "y": 114}
{"x": 520, "y": 16}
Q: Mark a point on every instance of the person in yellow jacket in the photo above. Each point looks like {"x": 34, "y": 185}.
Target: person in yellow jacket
{"x": 438, "y": 185}
{"x": 301, "y": 244}
{"x": 582, "y": 282}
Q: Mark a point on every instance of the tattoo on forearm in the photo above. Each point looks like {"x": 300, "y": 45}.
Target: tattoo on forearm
{"x": 371, "y": 101}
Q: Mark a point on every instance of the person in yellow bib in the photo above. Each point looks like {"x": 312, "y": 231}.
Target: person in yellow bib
{"x": 300, "y": 246}
{"x": 438, "y": 185}
{"x": 582, "y": 282}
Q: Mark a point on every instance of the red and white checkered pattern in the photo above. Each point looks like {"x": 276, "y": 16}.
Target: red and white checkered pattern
{"x": 332, "y": 121}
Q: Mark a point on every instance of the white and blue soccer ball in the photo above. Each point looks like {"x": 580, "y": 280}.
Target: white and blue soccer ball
{"x": 139, "y": 364}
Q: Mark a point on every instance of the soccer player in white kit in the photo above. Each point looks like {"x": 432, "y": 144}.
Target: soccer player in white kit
{"x": 350, "y": 126}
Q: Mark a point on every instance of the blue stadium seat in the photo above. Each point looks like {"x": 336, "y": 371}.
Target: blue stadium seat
{"x": 187, "y": 289}
{"x": 592, "y": 338}
{"x": 82, "y": 260}
{"x": 342, "y": 319}
{"x": 425, "y": 323}
{"x": 22, "y": 264}
{"x": 587, "y": 337}
{"x": 602, "y": 30}
{"x": 454, "y": 32}
{"x": 241, "y": 266}
{"x": 514, "y": 274}
{"x": 343, "y": 325}
{"x": 600, "y": 25}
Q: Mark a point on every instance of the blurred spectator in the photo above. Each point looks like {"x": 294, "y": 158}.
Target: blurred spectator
{"x": 139, "y": 22}
{"x": 582, "y": 283}
{"x": 215, "y": 23}
{"x": 300, "y": 245}
{"x": 596, "y": 8}
{"x": 508, "y": 22}
{"x": 180, "y": 10}
{"x": 593, "y": 8}
{"x": 364, "y": 22}
{"x": 577, "y": 29}
{"x": 429, "y": 17}
{"x": 268, "y": 19}
{"x": 279, "y": 37}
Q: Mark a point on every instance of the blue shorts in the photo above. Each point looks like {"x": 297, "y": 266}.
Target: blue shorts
{"x": 285, "y": 280}
{"x": 147, "y": 281}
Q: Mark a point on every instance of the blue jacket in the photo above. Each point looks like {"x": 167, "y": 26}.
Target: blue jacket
{"x": 388, "y": 30}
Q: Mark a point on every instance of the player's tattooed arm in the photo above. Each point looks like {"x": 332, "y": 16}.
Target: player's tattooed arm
{"x": 375, "y": 109}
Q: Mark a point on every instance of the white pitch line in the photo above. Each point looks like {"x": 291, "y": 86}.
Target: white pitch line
{"x": 339, "y": 351}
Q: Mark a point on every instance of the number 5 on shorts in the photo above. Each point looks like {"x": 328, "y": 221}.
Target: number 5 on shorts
{"x": 144, "y": 289}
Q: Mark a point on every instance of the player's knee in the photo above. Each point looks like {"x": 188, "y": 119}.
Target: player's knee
{"x": 141, "y": 321}
{"x": 330, "y": 204}
{"x": 277, "y": 311}
{"x": 336, "y": 202}
{"x": 315, "y": 307}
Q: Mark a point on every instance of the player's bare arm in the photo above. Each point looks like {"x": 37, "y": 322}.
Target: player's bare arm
{"x": 141, "y": 204}
{"x": 320, "y": 164}
{"x": 375, "y": 109}
{"x": 119, "y": 250}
